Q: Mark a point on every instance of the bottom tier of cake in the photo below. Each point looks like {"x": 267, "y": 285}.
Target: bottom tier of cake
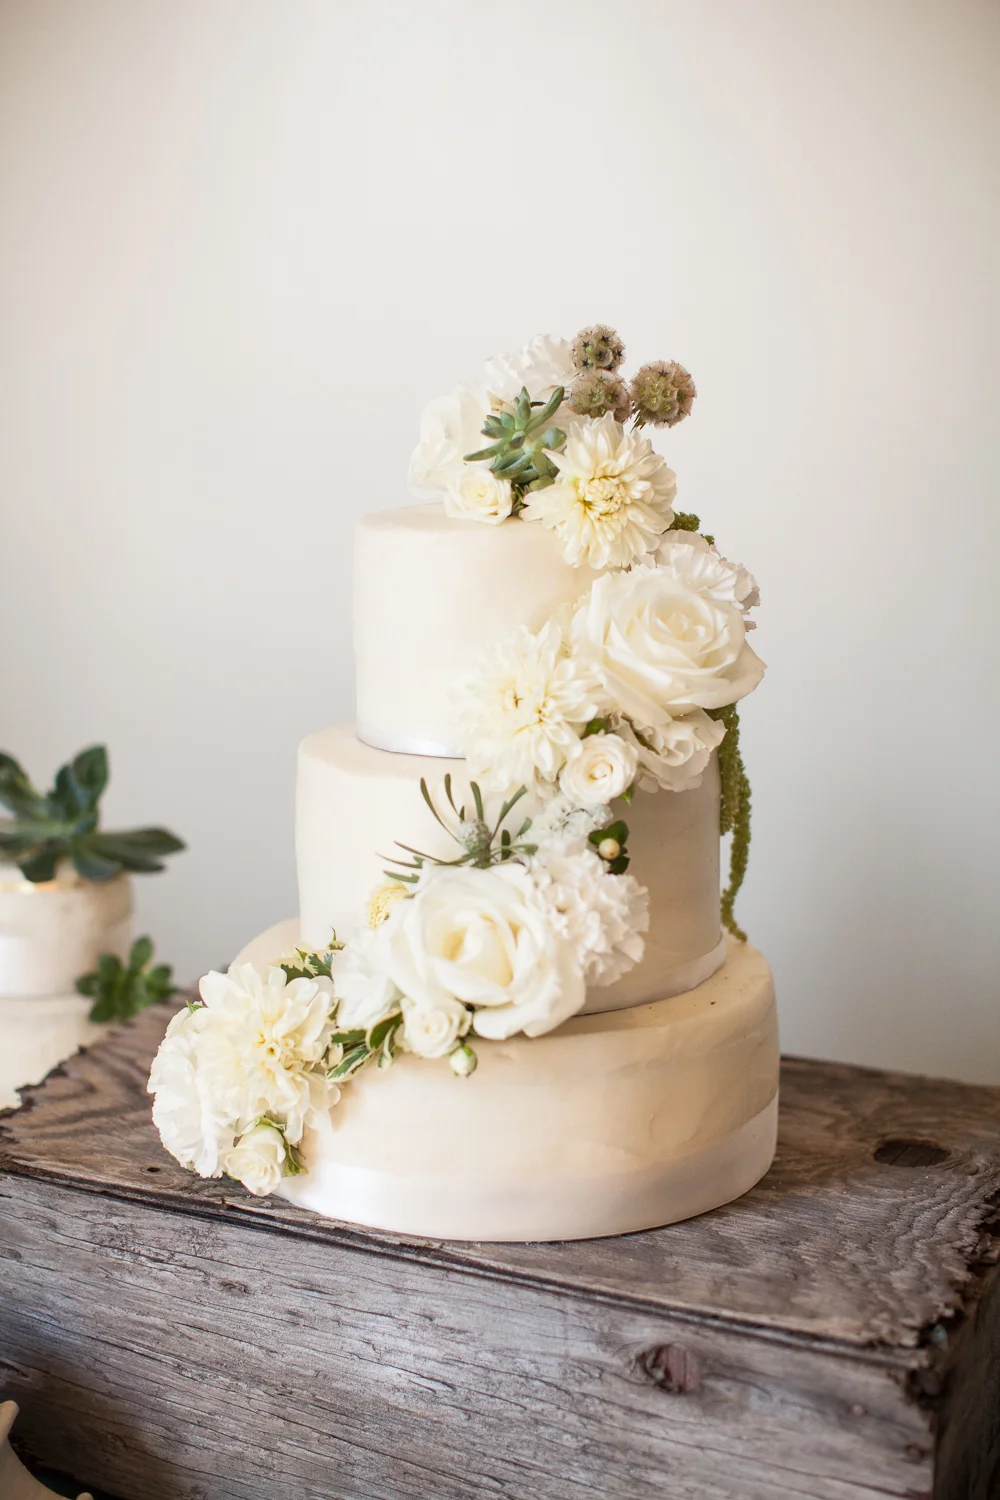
{"x": 615, "y": 1122}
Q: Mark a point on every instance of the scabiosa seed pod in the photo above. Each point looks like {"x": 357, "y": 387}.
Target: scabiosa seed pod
{"x": 595, "y": 392}
{"x": 662, "y": 394}
{"x": 597, "y": 348}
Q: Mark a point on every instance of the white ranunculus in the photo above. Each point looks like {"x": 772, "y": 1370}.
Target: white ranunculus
{"x": 450, "y": 427}
{"x": 663, "y": 647}
{"x": 613, "y": 498}
{"x": 257, "y": 1160}
{"x": 540, "y": 366}
{"x": 673, "y": 756}
{"x": 433, "y": 1030}
{"x": 601, "y": 769}
{"x": 475, "y": 493}
{"x": 601, "y": 916}
{"x": 475, "y": 936}
{"x": 522, "y": 712}
{"x": 363, "y": 987}
{"x": 694, "y": 560}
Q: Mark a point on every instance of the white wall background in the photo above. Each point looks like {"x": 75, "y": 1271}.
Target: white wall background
{"x": 243, "y": 241}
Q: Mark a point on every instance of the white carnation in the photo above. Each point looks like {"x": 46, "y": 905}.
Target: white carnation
{"x": 673, "y": 757}
{"x": 256, "y": 1047}
{"x": 258, "y": 1159}
{"x": 540, "y": 366}
{"x": 567, "y": 823}
{"x": 612, "y": 500}
{"x": 601, "y": 916}
{"x": 476, "y": 937}
{"x": 663, "y": 646}
{"x": 602, "y": 768}
{"x": 522, "y": 713}
{"x": 450, "y": 427}
{"x": 694, "y": 560}
{"x": 475, "y": 493}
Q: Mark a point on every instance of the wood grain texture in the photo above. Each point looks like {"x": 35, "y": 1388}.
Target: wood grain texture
{"x": 806, "y": 1341}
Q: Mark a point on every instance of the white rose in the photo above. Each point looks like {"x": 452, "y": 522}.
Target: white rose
{"x": 477, "y": 494}
{"x": 365, "y": 992}
{"x": 673, "y": 757}
{"x": 663, "y": 647}
{"x": 603, "y": 768}
{"x": 450, "y": 427}
{"x": 257, "y": 1160}
{"x": 693, "y": 559}
{"x": 433, "y": 1030}
{"x": 472, "y": 935}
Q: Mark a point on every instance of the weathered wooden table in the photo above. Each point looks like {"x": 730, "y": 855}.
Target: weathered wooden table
{"x": 835, "y": 1334}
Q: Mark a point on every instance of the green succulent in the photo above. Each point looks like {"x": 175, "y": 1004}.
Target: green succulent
{"x": 519, "y": 440}
{"x": 121, "y": 990}
{"x": 46, "y": 828}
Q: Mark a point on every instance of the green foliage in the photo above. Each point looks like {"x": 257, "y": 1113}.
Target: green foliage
{"x": 351, "y": 1050}
{"x": 46, "y": 828}
{"x": 314, "y": 963}
{"x": 617, "y": 832}
{"x": 734, "y": 815}
{"x": 519, "y": 439}
{"x": 482, "y": 845}
{"x": 121, "y": 990}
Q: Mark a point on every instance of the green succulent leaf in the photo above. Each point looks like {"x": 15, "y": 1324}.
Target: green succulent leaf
{"x": 119, "y": 990}
{"x": 40, "y": 867}
{"x": 17, "y": 793}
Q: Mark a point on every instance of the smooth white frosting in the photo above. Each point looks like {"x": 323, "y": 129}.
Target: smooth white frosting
{"x": 430, "y": 593}
{"x": 612, "y": 1123}
{"x": 354, "y": 802}
{"x": 52, "y": 933}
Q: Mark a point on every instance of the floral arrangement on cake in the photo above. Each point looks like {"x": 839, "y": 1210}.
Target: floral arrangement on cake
{"x": 633, "y": 687}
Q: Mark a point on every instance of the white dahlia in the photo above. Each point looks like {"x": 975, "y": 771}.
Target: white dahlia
{"x": 601, "y": 916}
{"x": 612, "y": 500}
{"x": 524, "y": 709}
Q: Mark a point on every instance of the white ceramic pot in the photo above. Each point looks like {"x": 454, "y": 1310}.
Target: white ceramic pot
{"x": 52, "y": 933}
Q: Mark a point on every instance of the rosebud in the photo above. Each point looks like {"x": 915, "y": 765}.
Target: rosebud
{"x": 463, "y": 1061}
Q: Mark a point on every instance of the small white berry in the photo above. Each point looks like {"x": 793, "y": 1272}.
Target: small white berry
{"x": 609, "y": 849}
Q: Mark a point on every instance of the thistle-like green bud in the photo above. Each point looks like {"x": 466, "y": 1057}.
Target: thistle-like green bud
{"x": 662, "y": 394}
{"x": 595, "y": 392}
{"x": 597, "y": 348}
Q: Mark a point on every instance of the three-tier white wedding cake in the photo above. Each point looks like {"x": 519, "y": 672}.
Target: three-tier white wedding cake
{"x": 510, "y": 864}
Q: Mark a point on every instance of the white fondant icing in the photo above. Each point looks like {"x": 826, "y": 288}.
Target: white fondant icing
{"x": 52, "y": 933}
{"x": 612, "y": 1123}
{"x": 430, "y": 594}
{"x": 353, "y": 802}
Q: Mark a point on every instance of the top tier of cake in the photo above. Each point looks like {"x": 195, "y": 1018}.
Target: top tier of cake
{"x": 430, "y": 594}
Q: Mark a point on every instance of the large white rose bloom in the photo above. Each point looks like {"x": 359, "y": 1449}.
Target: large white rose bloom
{"x": 672, "y": 757}
{"x": 450, "y": 427}
{"x": 602, "y": 768}
{"x": 662, "y": 646}
{"x": 613, "y": 498}
{"x": 601, "y": 916}
{"x": 477, "y": 937}
{"x": 693, "y": 559}
{"x": 258, "y": 1158}
{"x": 475, "y": 493}
{"x": 256, "y": 1047}
{"x": 522, "y": 712}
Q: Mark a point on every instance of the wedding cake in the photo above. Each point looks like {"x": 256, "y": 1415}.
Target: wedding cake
{"x": 515, "y": 1004}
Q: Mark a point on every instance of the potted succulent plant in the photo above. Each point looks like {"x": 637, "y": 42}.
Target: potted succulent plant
{"x": 65, "y": 882}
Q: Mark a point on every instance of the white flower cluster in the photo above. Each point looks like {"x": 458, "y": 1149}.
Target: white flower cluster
{"x": 613, "y": 496}
{"x": 497, "y": 950}
{"x": 237, "y": 1079}
{"x": 641, "y": 658}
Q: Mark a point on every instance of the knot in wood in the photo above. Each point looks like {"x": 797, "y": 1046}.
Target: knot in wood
{"x": 905, "y": 1153}
{"x": 670, "y": 1367}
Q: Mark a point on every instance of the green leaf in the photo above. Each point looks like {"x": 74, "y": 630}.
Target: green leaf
{"x": 89, "y": 776}
{"x": 41, "y": 866}
{"x": 349, "y": 1063}
{"x": 348, "y": 1039}
{"x": 17, "y": 791}
{"x": 596, "y": 726}
{"x": 378, "y": 1033}
{"x": 141, "y": 953}
{"x": 93, "y": 866}
{"x": 137, "y": 843}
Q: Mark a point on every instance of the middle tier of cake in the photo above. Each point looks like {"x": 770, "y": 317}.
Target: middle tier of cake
{"x": 355, "y": 804}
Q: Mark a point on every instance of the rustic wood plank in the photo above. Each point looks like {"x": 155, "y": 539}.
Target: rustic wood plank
{"x": 165, "y": 1356}
{"x": 834, "y": 1244}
